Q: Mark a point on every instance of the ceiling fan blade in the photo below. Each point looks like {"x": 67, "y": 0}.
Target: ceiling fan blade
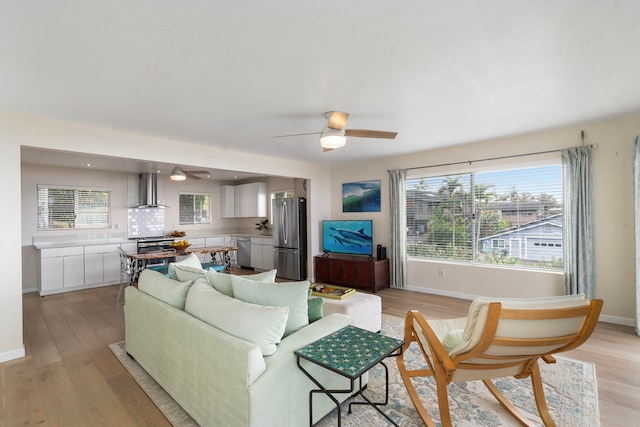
{"x": 296, "y": 134}
{"x": 190, "y": 175}
{"x": 326, "y": 149}
{"x": 364, "y": 133}
{"x": 337, "y": 119}
{"x": 199, "y": 172}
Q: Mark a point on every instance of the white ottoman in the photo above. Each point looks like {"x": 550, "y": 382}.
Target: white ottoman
{"x": 365, "y": 309}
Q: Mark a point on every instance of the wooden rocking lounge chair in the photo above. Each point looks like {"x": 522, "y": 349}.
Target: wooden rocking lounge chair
{"x": 498, "y": 338}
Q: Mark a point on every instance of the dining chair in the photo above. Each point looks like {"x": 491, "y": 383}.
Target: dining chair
{"x": 126, "y": 271}
{"x": 498, "y": 338}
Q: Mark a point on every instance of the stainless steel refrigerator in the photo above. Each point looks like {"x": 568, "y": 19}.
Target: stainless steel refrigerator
{"x": 290, "y": 237}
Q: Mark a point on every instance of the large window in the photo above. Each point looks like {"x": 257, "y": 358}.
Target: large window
{"x": 195, "y": 208}
{"x": 73, "y": 208}
{"x": 510, "y": 217}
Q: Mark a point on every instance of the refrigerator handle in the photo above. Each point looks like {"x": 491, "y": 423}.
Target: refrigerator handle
{"x": 284, "y": 224}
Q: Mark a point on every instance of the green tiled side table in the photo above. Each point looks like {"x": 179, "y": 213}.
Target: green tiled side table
{"x": 350, "y": 352}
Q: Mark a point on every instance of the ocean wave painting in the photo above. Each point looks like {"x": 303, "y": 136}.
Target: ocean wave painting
{"x": 363, "y": 196}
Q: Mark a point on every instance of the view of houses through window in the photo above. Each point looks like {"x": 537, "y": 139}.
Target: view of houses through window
{"x": 510, "y": 217}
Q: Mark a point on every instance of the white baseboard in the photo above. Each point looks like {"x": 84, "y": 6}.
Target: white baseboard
{"x": 12, "y": 354}
{"x": 616, "y": 320}
{"x": 441, "y": 292}
{"x": 29, "y": 290}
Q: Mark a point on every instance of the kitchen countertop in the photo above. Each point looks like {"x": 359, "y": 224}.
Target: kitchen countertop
{"x": 105, "y": 239}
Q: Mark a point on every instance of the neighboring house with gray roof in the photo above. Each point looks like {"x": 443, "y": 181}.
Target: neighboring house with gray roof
{"x": 534, "y": 241}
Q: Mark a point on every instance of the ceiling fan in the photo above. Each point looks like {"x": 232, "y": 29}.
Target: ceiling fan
{"x": 334, "y": 135}
{"x": 178, "y": 174}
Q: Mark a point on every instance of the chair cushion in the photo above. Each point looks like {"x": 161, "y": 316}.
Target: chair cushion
{"x": 476, "y": 317}
{"x": 222, "y": 281}
{"x": 191, "y": 260}
{"x": 261, "y": 325}
{"x": 159, "y": 286}
{"x": 287, "y": 294}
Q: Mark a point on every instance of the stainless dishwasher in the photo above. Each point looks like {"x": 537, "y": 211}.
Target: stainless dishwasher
{"x": 244, "y": 252}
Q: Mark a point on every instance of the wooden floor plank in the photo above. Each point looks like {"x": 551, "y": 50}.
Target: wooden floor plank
{"x": 63, "y": 404}
{"x": 25, "y": 403}
{"x": 140, "y": 407}
{"x": 3, "y": 396}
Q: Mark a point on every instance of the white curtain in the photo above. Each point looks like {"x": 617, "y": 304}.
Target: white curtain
{"x": 579, "y": 254}
{"x": 398, "y": 208}
{"x": 636, "y": 198}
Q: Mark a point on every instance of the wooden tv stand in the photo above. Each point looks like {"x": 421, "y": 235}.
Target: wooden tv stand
{"x": 352, "y": 271}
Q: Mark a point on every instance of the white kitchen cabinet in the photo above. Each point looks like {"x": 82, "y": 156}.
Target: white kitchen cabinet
{"x": 101, "y": 264}
{"x": 73, "y": 271}
{"x": 243, "y": 200}
{"x": 61, "y": 268}
{"x": 227, "y": 201}
{"x": 250, "y": 200}
{"x": 51, "y": 274}
{"x": 262, "y": 253}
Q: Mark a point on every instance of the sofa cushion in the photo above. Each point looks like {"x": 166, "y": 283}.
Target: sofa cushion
{"x": 222, "y": 281}
{"x": 185, "y": 272}
{"x": 191, "y": 260}
{"x": 261, "y": 325}
{"x": 156, "y": 284}
{"x": 287, "y": 294}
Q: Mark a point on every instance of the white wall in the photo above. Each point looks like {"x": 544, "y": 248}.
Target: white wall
{"x": 613, "y": 202}
{"x": 18, "y": 130}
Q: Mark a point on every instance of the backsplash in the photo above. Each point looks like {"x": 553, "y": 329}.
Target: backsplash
{"x": 146, "y": 222}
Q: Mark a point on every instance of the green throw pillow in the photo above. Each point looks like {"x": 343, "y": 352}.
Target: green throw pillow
{"x": 315, "y": 308}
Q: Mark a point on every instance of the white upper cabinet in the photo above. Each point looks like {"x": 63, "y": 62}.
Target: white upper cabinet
{"x": 246, "y": 200}
{"x": 227, "y": 201}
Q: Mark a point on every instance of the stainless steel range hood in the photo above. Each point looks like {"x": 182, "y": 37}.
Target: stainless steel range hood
{"x": 148, "y": 191}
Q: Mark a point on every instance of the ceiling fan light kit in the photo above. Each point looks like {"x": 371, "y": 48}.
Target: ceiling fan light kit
{"x": 332, "y": 139}
{"x": 178, "y": 174}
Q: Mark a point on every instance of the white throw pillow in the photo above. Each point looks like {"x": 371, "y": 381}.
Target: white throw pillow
{"x": 261, "y": 325}
{"x": 159, "y": 286}
{"x": 222, "y": 281}
{"x": 293, "y": 295}
{"x": 191, "y": 260}
{"x": 185, "y": 272}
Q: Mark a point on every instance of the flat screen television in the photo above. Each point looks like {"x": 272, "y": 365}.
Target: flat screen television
{"x": 347, "y": 237}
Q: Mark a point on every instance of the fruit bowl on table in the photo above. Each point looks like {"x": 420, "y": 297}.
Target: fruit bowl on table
{"x": 180, "y": 247}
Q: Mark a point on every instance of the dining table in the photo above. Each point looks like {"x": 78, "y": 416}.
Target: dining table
{"x": 141, "y": 261}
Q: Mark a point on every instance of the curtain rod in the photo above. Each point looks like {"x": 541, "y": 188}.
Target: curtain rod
{"x": 503, "y": 157}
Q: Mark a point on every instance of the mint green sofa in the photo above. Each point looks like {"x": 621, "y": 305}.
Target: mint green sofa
{"x": 221, "y": 380}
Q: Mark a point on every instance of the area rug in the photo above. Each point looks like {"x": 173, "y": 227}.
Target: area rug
{"x": 570, "y": 387}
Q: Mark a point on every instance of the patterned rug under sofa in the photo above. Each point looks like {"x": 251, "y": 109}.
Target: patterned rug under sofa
{"x": 570, "y": 387}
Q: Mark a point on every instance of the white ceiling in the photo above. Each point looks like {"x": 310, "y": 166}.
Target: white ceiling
{"x": 234, "y": 73}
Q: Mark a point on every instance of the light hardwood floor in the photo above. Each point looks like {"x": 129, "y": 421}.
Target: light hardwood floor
{"x": 70, "y": 378}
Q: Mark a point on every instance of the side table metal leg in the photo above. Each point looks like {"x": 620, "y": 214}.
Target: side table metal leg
{"x": 376, "y": 404}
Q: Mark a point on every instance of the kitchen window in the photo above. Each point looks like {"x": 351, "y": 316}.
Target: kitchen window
{"x": 499, "y": 217}
{"x": 195, "y": 208}
{"x": 73, "y": 207}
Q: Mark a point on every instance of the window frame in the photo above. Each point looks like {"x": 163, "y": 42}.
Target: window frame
{"x": 194, "y": 212}
{"x": 80, "y": 215}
